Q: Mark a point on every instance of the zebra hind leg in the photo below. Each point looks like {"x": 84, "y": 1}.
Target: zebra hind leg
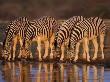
{"x": 51, "y": 46}
{"x": 102, "y": 44}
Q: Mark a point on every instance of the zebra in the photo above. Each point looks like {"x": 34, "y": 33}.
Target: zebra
{"x": 14, "y": 31}
{"x": 89, "y": 29}
{"x": 63, "y": 33}
{"x": 39, "y": 30}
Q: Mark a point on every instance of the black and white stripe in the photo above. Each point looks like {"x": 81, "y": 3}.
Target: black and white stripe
{"x": 40, "y": 30}
{"x": 14, "y": 31}
{"x": 63, "y": 33}
{"x": 86, "y": 30}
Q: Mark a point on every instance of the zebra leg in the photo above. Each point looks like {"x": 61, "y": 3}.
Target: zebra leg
{"x": 21, "y": 44}
{"x": 86, "y": 43}
{"x": 102, "y": 44}
{"x": 51, "y": 46}
{"x": 84, "y": 52}
{"x": 46, "y": 48}
{"x": 95, "y": 48}
{"x": 39, "y": 48}
{"x": 14, "y": 47}
{"x": 62, "y": 50}
{"x": 76, "y": 52}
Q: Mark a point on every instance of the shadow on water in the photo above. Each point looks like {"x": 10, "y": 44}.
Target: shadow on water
{"x": 49, "y": 72}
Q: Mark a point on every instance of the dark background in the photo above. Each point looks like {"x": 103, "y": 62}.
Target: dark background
{"x": 61, "y": 9}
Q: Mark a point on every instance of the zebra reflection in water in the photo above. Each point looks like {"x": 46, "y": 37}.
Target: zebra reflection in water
{"x": 43, "y": 72}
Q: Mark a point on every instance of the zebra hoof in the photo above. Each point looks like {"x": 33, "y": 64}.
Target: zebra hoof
{"x": 31, "y": 57}
{"x": 13, "y": 59}
{"x": 102, "y": 58}
{"x": 19, "y": 57}
{"x": 51, "y": 57}
{"x": 25, "y": 57}
{"x": 45, "y": 57}
{"x": 88, "y": 60}
{"x": 75, "y": 60}
{"x": 62, "y": 60}
{"x": 93, "y": 59}
{"x": 9, "y": 59}
{"x": 40, "y": 59}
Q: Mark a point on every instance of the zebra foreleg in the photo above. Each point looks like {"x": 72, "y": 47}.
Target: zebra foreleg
{"x": 14, "y": 47}
{"x": 95, "y": 48}
{"x": 51, "y": 46}
{"x": 76, "y": 52}
{"x": 20, "y": 53}
{"x": 39, "y": 48}
{"x": 86, "y": 43}
{"x": 46, "y": 49}
{"x": 62, "y": 54}
{"x": 84, "y": 52}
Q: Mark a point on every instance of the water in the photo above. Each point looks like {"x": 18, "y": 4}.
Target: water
{"x": 49, "y": 72}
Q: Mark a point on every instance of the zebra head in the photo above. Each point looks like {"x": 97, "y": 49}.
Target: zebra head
{"x": 25, "y": 49}
{"x": 27, "y": 54}
{"x": 71, "y": 50}
{"x": 57, "y": 48}
{"x": 6, "y": 52}
{"x": 70, "y": 53}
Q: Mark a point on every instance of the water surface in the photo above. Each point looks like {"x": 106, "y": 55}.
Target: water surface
{"x": 49, "y": 72}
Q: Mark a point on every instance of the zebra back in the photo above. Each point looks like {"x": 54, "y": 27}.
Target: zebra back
{"x": 44, "y": 26}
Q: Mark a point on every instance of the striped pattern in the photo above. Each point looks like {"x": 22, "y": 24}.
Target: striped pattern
{"x": 87, "y": 30}
{"x": 63, "y": 34}
{"x": 14, "y": 31}
{"x": 39, "y": 30}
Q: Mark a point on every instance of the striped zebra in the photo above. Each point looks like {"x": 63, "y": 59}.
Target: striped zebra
{"x": 39, "y": 30}
{"x": 63, "y": 34}
{"x": 14, "y": 32}
{"x": 86, "y": 30}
